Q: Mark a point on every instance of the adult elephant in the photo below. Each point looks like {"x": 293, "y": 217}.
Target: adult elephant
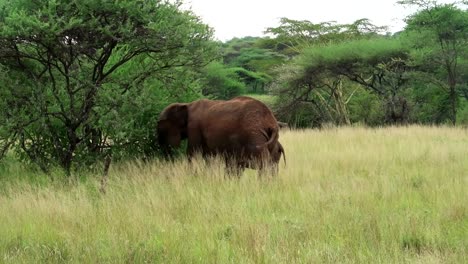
{"x": 243, "y": 130}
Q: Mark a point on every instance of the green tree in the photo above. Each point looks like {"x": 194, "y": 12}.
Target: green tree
{"x": 310, "y": 80}
{"x": 291, "y": 36}
{"x": 221, "y": 82}
{"x": 77, "y": 76}
{"x": 439, "y": 36}
{"x": 253, "y": 61}
{"x": 321, "y": 77}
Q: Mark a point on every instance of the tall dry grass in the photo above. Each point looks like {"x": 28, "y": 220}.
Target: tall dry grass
{"x": 347, "y": 195}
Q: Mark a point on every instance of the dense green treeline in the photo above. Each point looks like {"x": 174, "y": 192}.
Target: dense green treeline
{"x": 84, "y": 81}
{"x": 329, "y": 73}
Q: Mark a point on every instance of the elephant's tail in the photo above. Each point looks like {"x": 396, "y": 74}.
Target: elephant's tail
{"x": 271, "y": 135}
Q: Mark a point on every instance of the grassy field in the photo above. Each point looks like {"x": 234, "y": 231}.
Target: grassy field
{"x": 348, "y": 195}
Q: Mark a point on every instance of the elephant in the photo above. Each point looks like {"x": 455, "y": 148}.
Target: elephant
{"x": 242, "y": 130}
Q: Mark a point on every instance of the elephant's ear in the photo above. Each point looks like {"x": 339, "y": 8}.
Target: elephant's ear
{"x": 181, "y": 115}
{"x": 176, "y": 114}
{"x": 172, "y": 125}
{"x": 163, "y": 125}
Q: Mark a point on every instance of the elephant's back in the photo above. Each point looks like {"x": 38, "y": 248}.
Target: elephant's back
{"x": 241, "y": 110}
{"x": 241, "y": 125}
{"x": 247, "y": 117}
{"x": 256, "y": 112}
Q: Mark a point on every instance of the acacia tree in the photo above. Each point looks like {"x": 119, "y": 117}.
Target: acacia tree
{"x": 318, "y": 75}
{"x": 252, "y": 62}
{"x": 439, "y": 36}
{"x": 221, "y": 82}
{"x": 320, "y": 89}
{"x": 315, "y": 90}
{"x": 70, "y": 68}
{"x": 292, "y": 36}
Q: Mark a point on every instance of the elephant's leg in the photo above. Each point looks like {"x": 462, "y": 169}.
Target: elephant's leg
{"x": 268, "y": 170}
{"x": 266, "y": 167}
{"x": 190, "y": 152}
{"x": 194, "y": 149}
{"x": 194, "y": 143}
{"x": 233, "y": 167}
{"x": 234, "y": 171}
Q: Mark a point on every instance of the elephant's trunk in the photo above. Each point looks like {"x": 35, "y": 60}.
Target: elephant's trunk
{"x": 284, "y": 154}
{"x": 167, "y": 150}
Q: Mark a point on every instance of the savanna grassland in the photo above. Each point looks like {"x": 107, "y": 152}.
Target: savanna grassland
{"x": 346, "y": 195}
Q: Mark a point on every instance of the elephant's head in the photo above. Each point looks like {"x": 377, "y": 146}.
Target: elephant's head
{"x": 172, "y": 127}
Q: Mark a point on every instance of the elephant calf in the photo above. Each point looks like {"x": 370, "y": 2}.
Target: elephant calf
{"x": 243, "y": 130}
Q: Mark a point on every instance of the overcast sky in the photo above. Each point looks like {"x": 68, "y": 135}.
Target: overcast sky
{"x": 239, "y": 18}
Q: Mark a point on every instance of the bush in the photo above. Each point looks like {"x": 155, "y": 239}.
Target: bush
{"x": 82, "y": 80}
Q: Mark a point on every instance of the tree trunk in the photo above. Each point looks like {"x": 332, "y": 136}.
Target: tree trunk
{"x": 453, "y": 104}
{"x": 343, "y": 115}
{"x": 105, "y": 173}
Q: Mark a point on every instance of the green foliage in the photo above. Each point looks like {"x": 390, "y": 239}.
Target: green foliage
{"x": 269, "y": 100}
{"x": 322, "y": 76}
{"x": 438, "y": 35}
{"x": 255, "y": 80}
{"x": 291, "y": 36}
{"x": 221, "y": 82}
{"x": 430, "y": 103}
{"x": 254, "y": 62}
{"x": 462, "y": 114}
{"x": 82, "y": 80}
{"x": 366, "y": 108}
{"x": 402, "y": 73}
{"x": 366, "y": 52}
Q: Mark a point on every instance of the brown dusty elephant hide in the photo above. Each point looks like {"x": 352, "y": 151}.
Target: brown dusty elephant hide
{"x": 243, "y": 130}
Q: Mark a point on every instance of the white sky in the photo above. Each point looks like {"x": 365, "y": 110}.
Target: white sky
{"x": 239, "y": 18}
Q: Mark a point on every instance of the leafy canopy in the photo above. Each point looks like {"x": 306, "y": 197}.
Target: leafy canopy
{"x": 69, "y": 68}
